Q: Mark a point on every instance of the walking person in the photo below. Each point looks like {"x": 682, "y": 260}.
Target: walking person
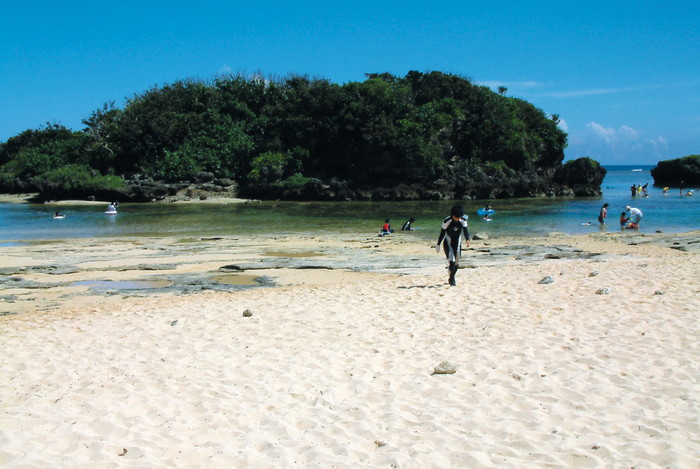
{"x": 453, "y": 229}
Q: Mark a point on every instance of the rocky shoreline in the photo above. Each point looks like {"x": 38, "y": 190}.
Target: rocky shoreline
{"x": 580, "y": 178}
{"x": 172, "y": 266}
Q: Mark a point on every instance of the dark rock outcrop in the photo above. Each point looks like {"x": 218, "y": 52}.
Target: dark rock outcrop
{"x": 141, "y": 190}
{"x": 677, "y": 172}
{"x": 581, "y": 177}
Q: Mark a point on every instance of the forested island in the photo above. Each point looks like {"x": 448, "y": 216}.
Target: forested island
{"x": 425, "y": 136}
{"x": 677, "y": 172}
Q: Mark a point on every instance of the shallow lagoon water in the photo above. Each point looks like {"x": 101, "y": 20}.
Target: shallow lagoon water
{"x": 514, "y": 217}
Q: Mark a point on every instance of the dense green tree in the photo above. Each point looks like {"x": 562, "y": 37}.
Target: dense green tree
{"x": 385, "y": 130}
{"x": 163, "y": 119}
{"x": 102, "y": 129}
{"x": 34, "y": 152}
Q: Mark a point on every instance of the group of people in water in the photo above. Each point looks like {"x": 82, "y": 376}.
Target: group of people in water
{"x": 689, "y": 193}
{"x": 632, "y": 216}
{"x": 387, "y": 229}
{"x": 629, "y": 219}
{"x": 111, "y": 210}
{"x": 640, "y": 190}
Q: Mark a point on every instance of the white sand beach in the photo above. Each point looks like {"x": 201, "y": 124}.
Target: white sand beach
{"x": 333, "y": 364}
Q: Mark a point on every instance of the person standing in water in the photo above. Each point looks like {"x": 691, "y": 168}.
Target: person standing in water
{"x": 635, "y": 217}
{"x": 603, "y": 214}
{"x": 453, "y": 229}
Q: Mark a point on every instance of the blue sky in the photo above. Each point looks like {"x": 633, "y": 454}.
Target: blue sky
{"x": 624, "y": 76}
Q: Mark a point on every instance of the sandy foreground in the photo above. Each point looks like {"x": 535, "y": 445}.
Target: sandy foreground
{"x": 333, "y": 364}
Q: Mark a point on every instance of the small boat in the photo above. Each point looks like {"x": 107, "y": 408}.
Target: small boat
{"x": 637, "y": 170}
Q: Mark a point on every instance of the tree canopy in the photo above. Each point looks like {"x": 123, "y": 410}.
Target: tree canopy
{"x": 385, "y": 130}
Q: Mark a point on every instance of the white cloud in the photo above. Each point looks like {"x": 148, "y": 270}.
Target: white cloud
{"x": 621, "y": 144}
{"x": 659, "y": 142}
{"x": 495, "y": 84}
{"x": 563, "y": 125}
{"x": 628, "y": 133}
{"x": 611, "y": 136}
{"x": 606, "y": 134}
{"x": 625, "y": 89}
{"x": 581, "y": 93}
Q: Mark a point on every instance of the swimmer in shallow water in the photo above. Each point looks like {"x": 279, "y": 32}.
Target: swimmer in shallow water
{"x": 408, "y": 226}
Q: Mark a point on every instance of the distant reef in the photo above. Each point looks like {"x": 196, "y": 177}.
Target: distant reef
{"x": 678, "y": 172}
{"x": 425, "y": 136}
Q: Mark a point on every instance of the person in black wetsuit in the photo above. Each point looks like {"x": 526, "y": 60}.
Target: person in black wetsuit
{"x": 408, "y": 225}
{"x": 453, "y": 228}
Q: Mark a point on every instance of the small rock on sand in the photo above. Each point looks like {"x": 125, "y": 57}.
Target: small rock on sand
{"x": 445, "y": 368}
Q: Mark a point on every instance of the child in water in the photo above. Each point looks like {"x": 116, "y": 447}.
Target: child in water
{"x": 386, "y": 229}
{"x": 623, "y": 220}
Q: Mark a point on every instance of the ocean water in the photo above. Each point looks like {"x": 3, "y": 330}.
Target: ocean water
{"x": 670, "y": 213}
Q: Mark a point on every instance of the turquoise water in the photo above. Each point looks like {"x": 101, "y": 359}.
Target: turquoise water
{"x": 514, "y": 217}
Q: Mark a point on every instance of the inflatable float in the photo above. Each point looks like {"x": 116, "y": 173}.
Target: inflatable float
{"x": 484, "y": 212}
